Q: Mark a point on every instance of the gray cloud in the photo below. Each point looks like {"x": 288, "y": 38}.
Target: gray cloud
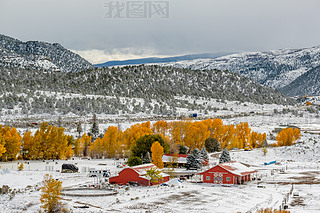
{"x": 192, "y": 27}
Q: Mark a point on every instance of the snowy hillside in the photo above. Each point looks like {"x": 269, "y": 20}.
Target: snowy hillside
{"x": 39, "y": 55}
{"x": 306, "y": 84}
{"x": 151, "y": 90}
{"x": 276, "y": 68}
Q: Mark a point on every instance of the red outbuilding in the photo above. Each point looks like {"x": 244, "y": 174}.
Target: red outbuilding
{"x": 228, "y": 173}
{"x": 137, "y": 174}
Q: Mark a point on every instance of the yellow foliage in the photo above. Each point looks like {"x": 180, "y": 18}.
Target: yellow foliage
{"x": 270, "y": 210}
{"x": 68, "y": 152}
{"x": 111, "y": 142}
{"x": 50, "y": 196}
{"x": 20, "y": 167}
{"x": 48, "y": 142}
{"x": 296, "y": 134}
{"x": 28, "y": 142}
{"x": 84, "y": 144}
{"x": 308, "y": 103}
{"x": 215, "y": 127}
{"x": 2, "y": 148}
{"x": 136, "y": 131}
{"x": 154, "y": 175}
{"x": 109, "y": 145}
{"x": 178, "y": 130}
{"x": 228, "y": 138}
{"x": 161, "y": 128}
{"x": 243, "y": 133}
{"x": 11, "y": 142}
{"x": 287, "y": 136}
{"x": 96, "y": 149}
{"x": 157, "y": 152}
{"x": 196, "y": 135}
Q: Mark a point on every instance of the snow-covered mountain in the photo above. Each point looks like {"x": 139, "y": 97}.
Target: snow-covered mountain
{"x": 306, "y": 84}
{"x": 162, "y": 60}
{"x": 151, "y": 90}
{"x": 39, "y": 55}
{"x": 275, "y": 69}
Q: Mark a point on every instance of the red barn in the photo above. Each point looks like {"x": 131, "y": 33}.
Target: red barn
{"x": 136, "y": 174}
{"x": 227, "y": 173}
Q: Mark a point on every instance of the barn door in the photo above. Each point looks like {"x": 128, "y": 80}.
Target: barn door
{"x": 220, "y": 178}
{"x": 216, "y": 178}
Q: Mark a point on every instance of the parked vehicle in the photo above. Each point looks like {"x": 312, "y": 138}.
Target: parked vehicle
{"x": 102, "y": 173}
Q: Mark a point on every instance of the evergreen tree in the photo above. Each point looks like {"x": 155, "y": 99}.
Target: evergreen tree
{"x": 204, "y": 154}
{"x": 183, "y": 149}
{"x": 59, "y": 122}
{"x": 95, "y": 127}
{"x": 265, "y": 143}
{"x": 194, "y": 160}
{"x": 147, "y": 158}
{"x": 212, "y": 145}
{"x": 144, "y": 143}
{"x": 134, "y": 161}
{"x": 79, "y": 128}
{"x": 225, "y": 156}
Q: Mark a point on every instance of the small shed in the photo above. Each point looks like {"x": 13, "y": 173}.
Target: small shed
{"x": 137, "y": 174}
{"x": 228, "y": 173}
{"x": 69, "y": 168}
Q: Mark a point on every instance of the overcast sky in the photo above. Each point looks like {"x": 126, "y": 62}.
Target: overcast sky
{"x": 199, "y": 26}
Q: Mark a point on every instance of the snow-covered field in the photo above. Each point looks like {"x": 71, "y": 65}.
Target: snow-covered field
{"x": 299, "y": 165}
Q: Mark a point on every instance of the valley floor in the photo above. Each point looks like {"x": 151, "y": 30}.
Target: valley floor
{"x": 299, "y": 168}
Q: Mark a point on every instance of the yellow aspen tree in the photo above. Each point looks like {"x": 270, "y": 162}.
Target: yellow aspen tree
{"x": 76, "y": 148}
{"x": 136, "y": 131}
{"x": 289, "y": 137}
{"x": 156, "y": 154}
{"x": 12, "y": 143}
{"x": 254, "y": 140}
{"x": 161, "y": 128}
{"x": 196, "y": 135}
{"x": 36, "y": 150}
{"x": 20, "y": 167}
{"x": 97, "y": 149}
{"x": 68, "y": 152}
{"x": 285, "y": 137}
{"x": 111, "y": 141}
{"x": 50, "y": 194}
{"x": 61, "y": 143}
{"x": 27, "y": 143}
{"x": 296, "y": 134}
{"x": 86, "y": 140}
{"x": 154, "y": 175}
{"x": 2, "y": 148}
{"x": 243, "y": 134}
{"x": 228, "y": 139}
{"x": 178, "y": 130}
{"x": 215, "y": 127}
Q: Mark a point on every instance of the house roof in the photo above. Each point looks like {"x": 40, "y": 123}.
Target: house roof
{"x": 142, "y": 169}
{"x": 182, "y": 158}
{"x": 235, "y": 168}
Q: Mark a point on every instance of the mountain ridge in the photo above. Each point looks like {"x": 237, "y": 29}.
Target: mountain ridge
{"x": 151, "y": 60}
{"x": 276, "y": 68}
{"x": 39, "y": 55}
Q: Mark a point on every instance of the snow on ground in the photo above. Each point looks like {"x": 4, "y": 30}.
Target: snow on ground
{"x": 299, "y": 164}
